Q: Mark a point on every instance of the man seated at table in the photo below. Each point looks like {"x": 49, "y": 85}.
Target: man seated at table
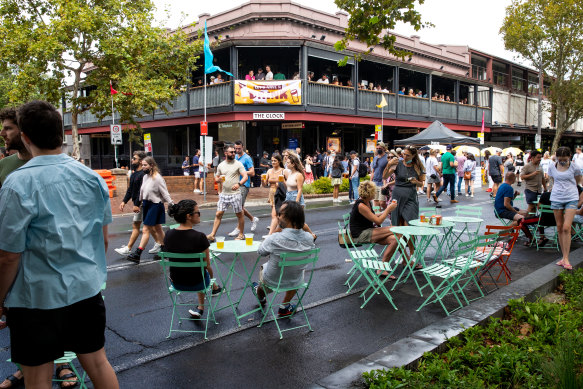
{"x": 504, "y": 204}
{"x": 292, "y": 238}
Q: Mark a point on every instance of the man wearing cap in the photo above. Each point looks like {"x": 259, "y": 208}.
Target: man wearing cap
{"x": 379, "y": 163}
{"x": 448, "y": 169}
{"x": 495, "y": 167}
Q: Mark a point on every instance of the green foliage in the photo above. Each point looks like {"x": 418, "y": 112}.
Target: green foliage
{"x": 323, "y": 185}
{"x": 371, "y": 22}
{"x": 537, "y": 345}
{"x": 50, "y": 45}
{"x": 308, "y": 189}
{"x": 549, "y": 33}
{"x": 345, "y": 185}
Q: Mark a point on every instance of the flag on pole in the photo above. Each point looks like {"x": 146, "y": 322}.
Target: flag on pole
{"x": 482, "y": 122}
{"x": 208, "y": 57}
{"x": 383, "y": 103}
{"x": 112, "y": 91}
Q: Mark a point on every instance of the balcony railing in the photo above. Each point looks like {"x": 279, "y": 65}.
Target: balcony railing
{"x": 317, "y": 96}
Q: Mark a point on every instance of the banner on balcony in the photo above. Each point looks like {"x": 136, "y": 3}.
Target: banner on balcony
{"x": 268, "y": 92}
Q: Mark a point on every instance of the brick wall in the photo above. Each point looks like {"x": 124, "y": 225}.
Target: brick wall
{"x": 174, "y": 183}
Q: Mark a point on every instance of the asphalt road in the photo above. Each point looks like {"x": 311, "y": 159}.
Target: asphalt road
{"x": 138, "y": 314}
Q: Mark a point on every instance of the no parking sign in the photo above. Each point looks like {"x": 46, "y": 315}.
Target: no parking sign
{"x": 115, "y": 132}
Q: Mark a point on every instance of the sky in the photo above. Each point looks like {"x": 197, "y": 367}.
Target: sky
{"x": 457, "y": 22}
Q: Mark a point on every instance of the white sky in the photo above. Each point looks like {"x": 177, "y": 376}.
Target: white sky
{"x": 473, "y": 23}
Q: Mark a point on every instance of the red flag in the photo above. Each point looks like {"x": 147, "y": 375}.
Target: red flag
{"x": 127, "y": 93}
{"x": 112, "y": 91}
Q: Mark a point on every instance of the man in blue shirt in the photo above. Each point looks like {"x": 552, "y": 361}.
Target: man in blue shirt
{"x": 247, "y": 162}
{"x": 379, "y": 163}
{"x": 504, "y": 204}
{"x": 55, "y": 212}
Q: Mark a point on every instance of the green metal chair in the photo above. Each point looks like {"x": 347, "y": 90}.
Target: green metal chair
{"x": 505, "y": 222}
{"x": 466, "y": 210}
{"x": 197, "y": 260}
{"x": 68, "y": 358}
{"x": 306, "y": 260}
{"x": 447, "y": 277}
{"x": 577, "y": 229}
{"x": 553, "y": 238}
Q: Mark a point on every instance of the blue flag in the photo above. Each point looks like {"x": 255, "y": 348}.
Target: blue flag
{"x": 208, "y": 57}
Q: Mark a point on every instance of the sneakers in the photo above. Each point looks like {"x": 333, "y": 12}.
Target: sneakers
{"x": 235, "y": 232}
{"x": 156, "y": 249}
{"x": 218, "y": 291}
{"x": 472, "y": 195}
{"x": 124, "y": 250}
{"x": 436, "y": 199}
{"x": 288, "y": 310}
{"x": 253, "y": 225}
{"x": 264, "y": 236}
{"x": 255, "y": 289}
{"x": 196, "y": 191}
{"x": 134, "y": 256}
{"x": 196, "y": 313}
{"x": 467, "y": 195}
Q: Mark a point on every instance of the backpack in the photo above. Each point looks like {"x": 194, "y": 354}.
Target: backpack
{"x": 362, "y": 170}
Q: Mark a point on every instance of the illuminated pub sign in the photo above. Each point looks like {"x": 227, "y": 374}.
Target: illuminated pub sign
{"x": 287, "y": 92}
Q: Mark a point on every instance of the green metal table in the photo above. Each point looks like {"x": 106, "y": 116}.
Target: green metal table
{"x": 457, "y": 235}
{"x": 443, "y": 244}
{"x": 236, "y": 247}
{"x": 425, "y": 236}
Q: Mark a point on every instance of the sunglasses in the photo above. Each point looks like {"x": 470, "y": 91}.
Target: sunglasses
{"x": 196, "y": 213}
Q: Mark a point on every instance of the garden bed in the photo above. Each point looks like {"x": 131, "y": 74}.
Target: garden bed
{"x": 534, "y": 345}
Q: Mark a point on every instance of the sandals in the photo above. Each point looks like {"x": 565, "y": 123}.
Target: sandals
{"x": 69, "y": 378}
{"x": 560, "y": 263}
{"x": 14, "y": 381}
{"x": 568, "y": 266}
{"x": 240, "y": 237}
{"x": 385, "y": 274}
{"x": 543, "y": 242}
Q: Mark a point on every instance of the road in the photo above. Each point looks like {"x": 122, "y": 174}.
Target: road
{"x": 138, "y": 313}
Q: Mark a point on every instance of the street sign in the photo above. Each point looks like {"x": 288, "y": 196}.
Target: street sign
{"x": 537, "y": 141}
{"x": 147, "y": 143}
{"x": 378, "y": 128}
{"x": 115, "y": 134}
{"x": 204, "y": 128}
{"x": 481, "y": 137}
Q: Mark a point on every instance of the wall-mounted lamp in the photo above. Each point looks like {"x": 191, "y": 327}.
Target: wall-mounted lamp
{"x": 216, "y": 37}
{"x": 323, "y": 37}
{"x": 371, "y": 50}
{"x": 441, "y": 68}
{"x": 226, "y": 36}
{"x": 313, "y": 36}
{"x": 467, "y": 74}
{"x": 410, "y": 58}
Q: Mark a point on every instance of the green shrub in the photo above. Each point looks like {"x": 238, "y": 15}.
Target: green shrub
{"x": 345, "y": 185}
{"x": 308, "y": 189}
{"x": 322, "y": 185}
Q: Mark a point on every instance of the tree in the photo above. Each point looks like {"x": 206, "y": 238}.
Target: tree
{"x": 68, "y": 45}
{"x": 371, "y": 22}
{"x": 549, "y": 33}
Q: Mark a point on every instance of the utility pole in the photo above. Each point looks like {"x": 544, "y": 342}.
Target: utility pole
{"x": 538, "y": 137}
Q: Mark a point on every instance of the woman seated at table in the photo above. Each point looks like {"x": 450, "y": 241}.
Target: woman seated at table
{"x": 363, "y": 220}
{"x": 185, "y": 240}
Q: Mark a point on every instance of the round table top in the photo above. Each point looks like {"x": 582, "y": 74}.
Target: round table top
{"x": 463, "y": 219}
{"x": 235, "y": 246}
{"x": 444, "y": 224}
{"x": 414, "y": 231}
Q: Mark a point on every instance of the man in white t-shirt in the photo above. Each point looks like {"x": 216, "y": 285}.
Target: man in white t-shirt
{"x": 353, "y": 177}
{"x": 269, "y": 74}
{"x": 433, "y": 173}
{"x": 578, "y": 158}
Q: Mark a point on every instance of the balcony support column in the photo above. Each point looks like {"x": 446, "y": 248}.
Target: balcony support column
{"x": 429, "y": 91}
{"x": 396, "y": 89}
{"x": 234, "y": 65}
{"x": 456, "y": 98}
{"x": 356, "y": 80}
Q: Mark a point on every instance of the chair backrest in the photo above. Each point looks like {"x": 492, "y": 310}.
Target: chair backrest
{"x": 346, "y": 219}
{"x": 197, "y": 261}
{"x": 427, "y": 209}
{"x": 466, "y": 210}
{"x": 546, "y": 216}
{"x": 298, "y": 259}
{"x": 505, "y": 232}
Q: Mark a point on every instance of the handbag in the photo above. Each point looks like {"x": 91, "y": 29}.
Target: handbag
{"x": 468, "y": 175}
{"x": 385, "y": 190}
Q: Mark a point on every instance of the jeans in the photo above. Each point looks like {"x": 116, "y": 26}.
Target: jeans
{"x": 350, "y": 191}
{"x": 354, "y": 184}
{"x": 459, "y": 184}
{"x": 448, "y": 179}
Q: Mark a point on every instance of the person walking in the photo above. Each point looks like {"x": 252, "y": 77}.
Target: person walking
{"x": 229, "y": 172}
{"x": 564, "y": 199}
{"x": 495, "y": 169}
{"x": 46, "y": 281}
{"x": 470, "y": 174}
{"x": 247, "y": 162}
{"x": 487, "y": 178}
{"x": 354, "y": 175}
{"x": 153, "y": 194}
{"x": 448, "y": 168}
{"x": 518, "y": 165}
{"x": 186, "y": 166}
{"x": 273, "y": 179}
{"x": 133, "y": 193}
{"x": 461, "y": 159}
{"x": 533, "y": 177}
{"x": 336, "y": 179}
{"x": 309, "y": 169}
{"x": 198, "y": 187}
{"x": 379, "y": 163}
{"x": 433, "y": 174}
{"x": 294, "y": 181}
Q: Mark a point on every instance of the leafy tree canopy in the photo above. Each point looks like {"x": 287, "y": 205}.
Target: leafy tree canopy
{"x": 370, "y": 21}
{"x": 56, "y": 45}
{"x": 550, "y": 33}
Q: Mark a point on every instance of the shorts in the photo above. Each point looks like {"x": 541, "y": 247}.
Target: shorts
{"x": 435, "y": 180}
{"x": 154, "y": 213}
{"x": 186, "y": 173}
{"x": 244, "y": 192}
{"x": 564, "y": 204}
{"x": 336, "y": 181}
{"x": 578, "y": 219}
{"x": 232, "y": 200}
{"x": 39, "y": 336}
{"x": 530, "y": 196}
{"x": 193, "y": 288}
{"x": 265, "y": 288}
{"x": 507, "y": 214}
{"x": 378, "y": 195}
{"x": 496, "y": 179}
{"x": 196, "y": 174}
{"x": 292, "y": 195}
{"x": 138, "y": 217}
{"x": 364, "y": 237}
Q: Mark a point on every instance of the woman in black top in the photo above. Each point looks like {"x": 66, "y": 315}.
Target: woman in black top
{"x": 184, "y": 240}
{"x": 363, "y": 219}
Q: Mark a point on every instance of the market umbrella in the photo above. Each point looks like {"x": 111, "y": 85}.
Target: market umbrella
{"x": 467, "y": 149}
{"x": 512, "y": 150}
{"x": 493, "y": 150}
{"x": 441, "y": 148}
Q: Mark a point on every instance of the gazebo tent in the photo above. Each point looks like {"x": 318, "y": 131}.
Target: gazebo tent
{"x": 437, "y": 132}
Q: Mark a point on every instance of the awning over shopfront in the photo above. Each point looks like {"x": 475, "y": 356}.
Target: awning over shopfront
{"x": 437, "y": 132}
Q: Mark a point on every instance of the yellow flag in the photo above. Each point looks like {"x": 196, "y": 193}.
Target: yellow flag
{"x": 383, "y": 103}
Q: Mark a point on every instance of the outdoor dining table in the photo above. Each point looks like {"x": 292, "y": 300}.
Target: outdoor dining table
{"x": 443, "y": 244}
{"x": 425, "y": 236}
{"x": 457, "y": 235}
{"x": 236, "y": 247}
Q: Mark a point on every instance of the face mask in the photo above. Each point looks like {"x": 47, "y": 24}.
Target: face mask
{"x": 379, "y": 152}
{"x": 409, "y": 161}
{"x": 563, "y": 163}
{"x": 146, "y": 171}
